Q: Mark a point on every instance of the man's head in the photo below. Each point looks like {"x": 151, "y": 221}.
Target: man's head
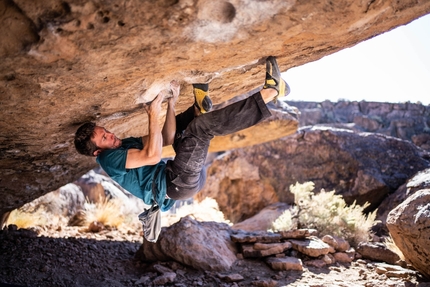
{"x": 91, "y": 139}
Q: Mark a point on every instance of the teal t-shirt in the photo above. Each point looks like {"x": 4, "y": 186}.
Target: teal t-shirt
{"x": 138, "y": 181}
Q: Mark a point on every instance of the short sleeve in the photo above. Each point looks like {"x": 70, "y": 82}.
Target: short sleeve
{"x": 113, "y": 162}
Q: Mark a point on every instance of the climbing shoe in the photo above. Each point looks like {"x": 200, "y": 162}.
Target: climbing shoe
{"x": 274, "y": 79}
{"x": 201, "y": 95}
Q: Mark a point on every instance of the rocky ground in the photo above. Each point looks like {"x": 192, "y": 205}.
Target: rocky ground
{"x": 72, "y": 256}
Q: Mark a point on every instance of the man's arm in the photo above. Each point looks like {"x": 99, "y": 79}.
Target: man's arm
{"x": 169, "y": 128}
{"x": 153, "y": 143}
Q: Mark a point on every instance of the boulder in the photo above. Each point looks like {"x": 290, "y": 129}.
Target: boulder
{"x": 409, "y": 225}
{"x": 362, "y": 167}
{"x": 407, "y": 121}
{"x": 264, "y": 218}
{"x": 419, "y": 181}
{"x": 67, "y": 62}
{"x": 377, "y": 251}
{"x": 201, "y": 245}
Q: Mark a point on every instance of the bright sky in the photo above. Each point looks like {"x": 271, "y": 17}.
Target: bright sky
{"x": 392, "y": 67}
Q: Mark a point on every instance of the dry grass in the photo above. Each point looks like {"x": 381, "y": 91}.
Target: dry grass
{"x": 24, "y": 219}
{"x": 389, "y": 242}
{"x": 329, "y": 214}
{"x": 107, "y": 212}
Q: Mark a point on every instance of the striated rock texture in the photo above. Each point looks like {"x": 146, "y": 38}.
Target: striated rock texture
{"x": 66, "y": 62}
{"x": 362, "y": 167}
{"x": 419, "y": 181}
{"x": 202, "y": 245}
{"x": 409, "y": 225}
{"x": 407, "y": 121}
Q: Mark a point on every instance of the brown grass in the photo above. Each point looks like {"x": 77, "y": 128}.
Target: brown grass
{"x": 389, "y": 242}
{"x": 24, "y": 219}
{"x": 107, "y": 212}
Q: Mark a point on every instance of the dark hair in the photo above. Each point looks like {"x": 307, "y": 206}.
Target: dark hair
{"x": 83, "y": 143}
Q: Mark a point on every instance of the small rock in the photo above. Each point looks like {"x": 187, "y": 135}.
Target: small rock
{"x": 298, "y": 233}
{"x": 142, "y": 280}
{"x": 316, "y": 263}
{"x": 343, "y": 257}
{"x": 286, "y": 263}
{"x": 162, "y": 269}
{"x": 330, "y": 241}
{"x": 241, "y": 236}
{"x": 95, "y": 226}
{"x": 264, "y": 250}
{"x": 398, "y": 274}
{"x": 312, "y": 247}
{"x": 231, "y": 277}
{"x": 329, "y": 259}
{"x": 265, "y": 283}
{"x": 165, "y": 278}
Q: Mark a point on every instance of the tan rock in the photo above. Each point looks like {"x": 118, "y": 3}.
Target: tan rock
{"x": 343, "y": 257}
{"x": 312, "y": 247}
{"x": 408, "y": 225}
{"x": 231, "y": 277}
{"x": 377, "y": 251}
{"x": 316, "y": 263}
{"x": 298, "y": 233}
{"x": 264, "y": 250}
{"x": 286, "y": 263}
{"x": 262, "y": 221}
{"x": 241, "y": 236}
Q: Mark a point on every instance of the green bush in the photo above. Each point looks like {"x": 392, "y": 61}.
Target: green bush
{"x": 328, "y": 214}
{"x": 284, "y": 222}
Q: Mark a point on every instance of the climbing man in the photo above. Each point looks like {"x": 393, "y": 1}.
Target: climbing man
{"x": 135, "y": 163}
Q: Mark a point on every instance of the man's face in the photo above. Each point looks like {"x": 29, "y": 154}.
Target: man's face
{"x": 104, "y": 139}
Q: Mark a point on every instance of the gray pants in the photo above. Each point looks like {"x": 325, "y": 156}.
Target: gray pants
{"x": 186, "y": 174}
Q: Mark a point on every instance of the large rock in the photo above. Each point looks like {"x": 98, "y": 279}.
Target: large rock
{"x": 409, "y": 225}
{"x": 406, "y": 121}
{"x": 362, "y": 167}
{"x": 66, "y": 62}
{"x": 419, "y": 181}
{"x": 377, "y": 252}
{"x": 264, "y": 219}
{"x": 202, "y": 245}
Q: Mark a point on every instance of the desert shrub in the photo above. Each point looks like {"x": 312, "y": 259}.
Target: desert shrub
{"x": 327, "y": 213}
{"x": 283, "y": 223}
{"x": 108, "y": 212}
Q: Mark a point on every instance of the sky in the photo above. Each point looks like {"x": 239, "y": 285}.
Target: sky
{"x": 392, "y": 67}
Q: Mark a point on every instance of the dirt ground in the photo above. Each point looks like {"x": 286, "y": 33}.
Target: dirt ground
{"x": 71, "y": 256}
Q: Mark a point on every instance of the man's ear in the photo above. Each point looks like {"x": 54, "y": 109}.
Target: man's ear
{"x": 97, "y": 152}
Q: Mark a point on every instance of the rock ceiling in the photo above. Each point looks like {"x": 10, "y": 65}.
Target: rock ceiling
{"x": 64, "y": 63}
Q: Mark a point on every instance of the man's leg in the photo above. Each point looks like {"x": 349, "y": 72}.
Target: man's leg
{"x": 185, "y": 173}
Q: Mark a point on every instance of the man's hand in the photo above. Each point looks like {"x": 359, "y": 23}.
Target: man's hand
{"x": 154, "y": 108}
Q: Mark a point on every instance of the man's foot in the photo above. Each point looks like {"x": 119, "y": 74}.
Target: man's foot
{"x": 202, "y": 100}
{"x": 274, "y": 79}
